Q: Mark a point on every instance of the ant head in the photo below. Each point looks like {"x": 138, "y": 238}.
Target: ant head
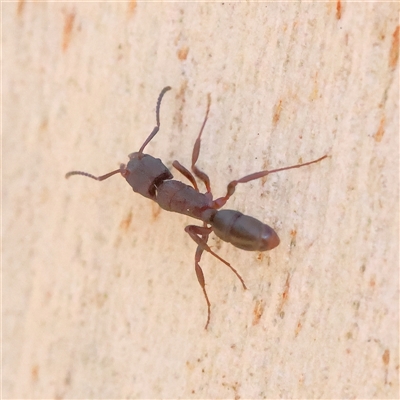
{"x": 144, "y": 173}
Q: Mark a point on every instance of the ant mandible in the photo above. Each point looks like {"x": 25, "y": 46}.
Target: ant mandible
{"x": 149, "y": 177}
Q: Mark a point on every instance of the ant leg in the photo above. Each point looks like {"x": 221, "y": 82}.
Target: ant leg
{"x": 186, "y": 173}
{"x": 200, "y": 275}
{"x": 196, "y": 151}
{"x": 194, "y": 232}
{"x": 218, "y": 203}
{"x": 195, "y": 155}
{"x": 200, "y": 278}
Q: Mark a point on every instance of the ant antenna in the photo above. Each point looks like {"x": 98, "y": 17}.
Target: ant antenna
{"x": 97, "y": 178}
{"x": 156, "y": 128}
{"x": 122, "y": 169}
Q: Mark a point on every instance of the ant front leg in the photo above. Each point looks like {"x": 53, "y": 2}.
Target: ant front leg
{"x": 200, "y": 235}
{"x": 196, "y": 151}
{"x": 195, "y": 156}
{"x": 186, "y": 173}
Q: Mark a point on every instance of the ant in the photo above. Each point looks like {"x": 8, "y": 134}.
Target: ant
{"x": 149, "y": 177}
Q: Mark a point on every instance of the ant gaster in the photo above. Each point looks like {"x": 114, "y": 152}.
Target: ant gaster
{"x": 149, "y": 177}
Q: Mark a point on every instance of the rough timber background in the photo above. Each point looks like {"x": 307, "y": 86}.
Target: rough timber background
{"x": 100, "y": 298}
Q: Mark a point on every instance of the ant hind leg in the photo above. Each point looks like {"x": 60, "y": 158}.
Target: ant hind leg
{"x": 230, "y": 190}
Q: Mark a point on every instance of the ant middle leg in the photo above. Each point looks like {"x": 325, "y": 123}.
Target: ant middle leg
{"x": 200, "y": 278}
{"x": 200, "y": 235}
{"x": 200, "y": 275}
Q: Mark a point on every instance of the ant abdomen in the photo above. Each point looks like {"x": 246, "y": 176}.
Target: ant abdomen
{"x": 243, "y": 231}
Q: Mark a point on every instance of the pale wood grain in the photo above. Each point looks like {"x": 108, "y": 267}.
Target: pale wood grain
{"x": 100, "y": 297}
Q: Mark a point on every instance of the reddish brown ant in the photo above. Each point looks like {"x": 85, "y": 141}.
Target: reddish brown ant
{"x": 149, "y": 177}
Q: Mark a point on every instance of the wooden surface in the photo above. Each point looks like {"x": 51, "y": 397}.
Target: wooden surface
{"x": 100, "y": 297}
